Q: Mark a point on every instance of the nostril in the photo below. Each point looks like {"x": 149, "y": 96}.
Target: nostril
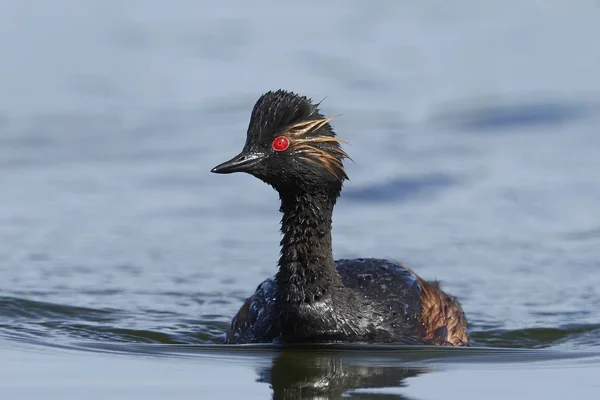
{"x": 242, "y": 158}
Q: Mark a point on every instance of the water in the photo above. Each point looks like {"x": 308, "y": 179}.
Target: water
{"x": 474, "y": 134}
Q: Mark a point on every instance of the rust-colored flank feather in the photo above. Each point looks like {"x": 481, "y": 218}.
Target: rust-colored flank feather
{"x": 442, "y": 321}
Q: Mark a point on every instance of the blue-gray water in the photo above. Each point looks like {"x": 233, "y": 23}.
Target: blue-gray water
{"x": 474, "y": 130}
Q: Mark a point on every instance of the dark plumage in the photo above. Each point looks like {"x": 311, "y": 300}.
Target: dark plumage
{"x": 293, "y": 148}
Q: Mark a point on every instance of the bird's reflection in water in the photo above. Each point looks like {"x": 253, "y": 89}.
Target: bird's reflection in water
{"x": 311, "y": 375}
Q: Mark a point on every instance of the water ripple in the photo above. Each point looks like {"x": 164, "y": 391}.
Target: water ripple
{"x": 515, "y": 115}
{"x": 63, "y": 323}
{"x": 401, "y": 189}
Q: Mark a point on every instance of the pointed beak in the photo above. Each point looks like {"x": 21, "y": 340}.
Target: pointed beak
{"x": 243, "y": 162}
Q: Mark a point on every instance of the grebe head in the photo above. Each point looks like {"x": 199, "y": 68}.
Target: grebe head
{"x": 290, "y": 146}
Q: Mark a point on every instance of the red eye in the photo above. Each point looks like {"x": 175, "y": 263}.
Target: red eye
{"x": 280, "y": 143}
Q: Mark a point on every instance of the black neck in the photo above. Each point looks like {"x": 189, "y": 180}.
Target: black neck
{"x": 306, "y": 267}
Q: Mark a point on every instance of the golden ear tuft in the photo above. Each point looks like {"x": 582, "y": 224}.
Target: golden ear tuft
{"x": 303, "y": 144}
{"x": 324, "y": 139}
{"x": 304, "y": 128}
{"x": 323, "y": 158}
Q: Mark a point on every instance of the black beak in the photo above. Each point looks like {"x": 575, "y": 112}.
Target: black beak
{"x": 243, "y": 162}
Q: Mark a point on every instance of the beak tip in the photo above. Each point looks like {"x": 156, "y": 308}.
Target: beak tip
{"x": 218, "y": 170}
{"x": 243, "y": 162}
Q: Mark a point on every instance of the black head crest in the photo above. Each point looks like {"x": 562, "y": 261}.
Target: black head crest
{"x": 283, "y": 113}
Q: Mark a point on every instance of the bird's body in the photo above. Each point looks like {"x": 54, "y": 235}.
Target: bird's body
{"x": 386, "y": 307}
{"x": 313, "y": 298}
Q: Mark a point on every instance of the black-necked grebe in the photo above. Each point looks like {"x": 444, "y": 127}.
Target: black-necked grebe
{"x": 313, "y": 297}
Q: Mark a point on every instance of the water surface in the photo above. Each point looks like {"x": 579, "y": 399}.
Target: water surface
{"x": 474, "y": 134}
